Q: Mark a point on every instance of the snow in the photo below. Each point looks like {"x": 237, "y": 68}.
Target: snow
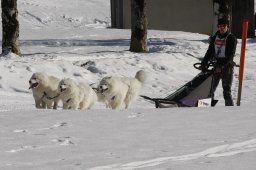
{"x": 60, "y": 40}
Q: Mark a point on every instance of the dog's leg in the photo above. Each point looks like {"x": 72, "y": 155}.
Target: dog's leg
{"x": 55, "y": 105}
{"x": 111, "y": 104}
{"x": 65, "y": 106}
{"x": 127, "y": 105}
{"x": 38, "y": 104}
{"x": 43, "y": 105}
{"x": 107, "y": 104}
{"x": 74, "y": 104}
{"x": 115, "y": 104}
{"x": 49, "y": 104}
{"x": 82, "y": 105}
{"x": 130, "y": 97}
{"x": 74, "y": 107}
{"x": 127, "y": 100}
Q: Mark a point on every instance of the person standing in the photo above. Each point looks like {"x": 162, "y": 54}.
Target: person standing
{"x": 222, "y": 49}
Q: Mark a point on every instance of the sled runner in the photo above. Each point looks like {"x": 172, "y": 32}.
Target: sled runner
{"x": 195, "y": 93}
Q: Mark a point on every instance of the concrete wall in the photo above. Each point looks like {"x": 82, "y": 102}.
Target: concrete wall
{"x": 175, "y": 15}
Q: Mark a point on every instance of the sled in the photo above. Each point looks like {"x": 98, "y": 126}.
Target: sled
{"x": 195, "y": 93}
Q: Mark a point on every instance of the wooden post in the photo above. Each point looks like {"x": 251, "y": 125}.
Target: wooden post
{"x": 242, "y": 58}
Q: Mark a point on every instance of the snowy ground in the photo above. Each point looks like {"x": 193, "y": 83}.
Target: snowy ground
{"x": 179, "y": 139}
{"x": 58, "y": 39}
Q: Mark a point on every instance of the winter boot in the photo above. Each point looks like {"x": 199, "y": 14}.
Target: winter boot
{"x": 229, "y": 102}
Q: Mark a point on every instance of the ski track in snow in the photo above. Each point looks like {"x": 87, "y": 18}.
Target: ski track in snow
{"x": 218, "y": 151}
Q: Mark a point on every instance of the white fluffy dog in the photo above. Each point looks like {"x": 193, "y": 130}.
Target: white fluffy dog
{"x": 76, "y": 96}
{"x": 100, "y": 96}
{"x": 45, "y": 90}
{"x": 119, "y": 90}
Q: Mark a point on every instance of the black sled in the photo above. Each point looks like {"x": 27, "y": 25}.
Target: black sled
{"x": 195, "y": 93}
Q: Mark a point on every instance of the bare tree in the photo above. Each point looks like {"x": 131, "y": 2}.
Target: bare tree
{"x": 10, "y": 24}
{"x": 139, "y": 26}
{"x": 222, "y": 9}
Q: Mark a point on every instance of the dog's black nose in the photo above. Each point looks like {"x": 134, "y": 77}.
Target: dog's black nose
{"x": 29, "y": 81}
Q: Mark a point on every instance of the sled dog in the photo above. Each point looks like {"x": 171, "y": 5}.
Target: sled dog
{"x": 45, "y": 90}
{"x": 100, "y": 96}
{"x": 76, "y": 95}
{"x": 119, "y": 90}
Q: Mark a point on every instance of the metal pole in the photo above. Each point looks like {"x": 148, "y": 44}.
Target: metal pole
{"x": 242, "y": 58}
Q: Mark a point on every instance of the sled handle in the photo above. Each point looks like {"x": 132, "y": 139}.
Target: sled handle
{"x": 198, "y": 66}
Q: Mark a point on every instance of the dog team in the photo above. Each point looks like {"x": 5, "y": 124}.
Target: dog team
{"x": 48, "y": 91}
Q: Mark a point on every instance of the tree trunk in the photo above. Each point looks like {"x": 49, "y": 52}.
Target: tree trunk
{"x": 243, "y": 10}
{"x": 139, "y": 26}
{"x": 222, "y": 9}
{"x": 10, "y": 24}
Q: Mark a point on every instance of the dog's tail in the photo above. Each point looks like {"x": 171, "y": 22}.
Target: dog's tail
{"x": 141, "y": 76}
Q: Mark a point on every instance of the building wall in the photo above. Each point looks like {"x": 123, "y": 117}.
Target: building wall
{"x": 175, "y": 15}
{"x": 243, "y": 10}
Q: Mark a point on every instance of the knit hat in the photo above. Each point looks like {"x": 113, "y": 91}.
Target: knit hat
{"x": 223, "y": 21}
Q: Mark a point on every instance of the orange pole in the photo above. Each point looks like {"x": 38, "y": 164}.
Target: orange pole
{"x": 242, "y": 59}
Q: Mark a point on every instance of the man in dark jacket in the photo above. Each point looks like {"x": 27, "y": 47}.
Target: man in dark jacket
{"x": 222, "y": 49}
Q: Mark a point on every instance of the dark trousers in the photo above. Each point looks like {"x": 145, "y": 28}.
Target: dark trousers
{"x": 226, "y": 75}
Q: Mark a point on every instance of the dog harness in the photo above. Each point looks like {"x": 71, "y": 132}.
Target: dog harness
{"x": 48, "y": 97}
{"x": 68, "y": 100}
{"x": 44, "y": 94}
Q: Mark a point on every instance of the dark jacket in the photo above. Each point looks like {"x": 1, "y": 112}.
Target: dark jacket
{"x": 230, "y": 50}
